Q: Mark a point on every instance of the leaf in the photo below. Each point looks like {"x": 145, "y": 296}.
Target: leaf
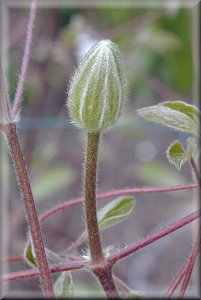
{"x": 177, "y": 156}
{"x": 185, "y": 108}
{"x": 179, "y": 116}
{"x": 114, "y": 212}
{"x": 30, "y": 256}
{"x": 63, "y": 287}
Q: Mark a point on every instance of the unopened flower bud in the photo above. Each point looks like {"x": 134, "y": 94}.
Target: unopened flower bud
{"x": 98, "y": 89}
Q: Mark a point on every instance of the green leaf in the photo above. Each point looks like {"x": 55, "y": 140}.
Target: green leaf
{"x": 30, "y": 256}
{"x": 114, "y": 212}
{"x": 176, "y": 154}
{"x": 63, "y": 287}
{"x": 178, "y": 116}
{"x": 185, "y": 108}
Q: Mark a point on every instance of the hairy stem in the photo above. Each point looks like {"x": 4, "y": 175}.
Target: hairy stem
{"x": 117, "y": 256}
{"x": 32, "y": 218}
{"x": 35, "y": 272}
{"x": 25, "y": 62}
{"x": 99, "y": 266}
{"x": 190, "y": 266}
{"x": 104, "y": 275}
{"x": 196, "y": 171}
{"x": 176, "y": 281}
{"x": 90, "y": 197}
{"x": 104, "y": 196}
{"x": 4, "y": 107}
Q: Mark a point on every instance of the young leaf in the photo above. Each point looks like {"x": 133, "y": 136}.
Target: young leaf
{"x": 114, "y": 212}
{"x": 30, "y": 257}
{"x": 178, "y": 116}
{"x": 63, "y": 287}
{"x": 177, "y": 156}
{"x": 185, "y": 108}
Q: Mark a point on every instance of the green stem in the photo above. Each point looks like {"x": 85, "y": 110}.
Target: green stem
{"x": 32, "y": 218}
{"x": 90, "y": 197}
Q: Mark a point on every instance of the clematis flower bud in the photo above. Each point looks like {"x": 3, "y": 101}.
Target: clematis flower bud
{"x": 98, "y": 89}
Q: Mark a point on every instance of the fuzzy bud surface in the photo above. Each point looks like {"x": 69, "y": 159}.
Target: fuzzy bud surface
{"x": 98, "y": 88}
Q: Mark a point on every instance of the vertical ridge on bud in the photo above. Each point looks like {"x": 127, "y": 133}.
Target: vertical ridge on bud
{"x": 98, "y": 89}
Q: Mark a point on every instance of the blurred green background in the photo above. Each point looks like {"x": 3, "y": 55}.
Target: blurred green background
{"x": 156, "y": 46}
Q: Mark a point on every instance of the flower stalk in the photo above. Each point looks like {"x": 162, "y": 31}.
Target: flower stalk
{"x": 90, "y": 197}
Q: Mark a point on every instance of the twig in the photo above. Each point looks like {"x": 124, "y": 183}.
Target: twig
{"x": 114, "y": 258}
{"x": 4, "y": 107}
{"x": 53, "y": 269}
{"x": 25, "y": 62}
{"x": 190, "y": 266}
{"x": 177, "y": 279}
{"x": 103, "y": 196}
{"x": 196, "y": 171}
{"x": 32, "y": 218}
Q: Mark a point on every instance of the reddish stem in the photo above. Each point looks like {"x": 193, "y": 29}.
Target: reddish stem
{"x": 25, "y": 62}
{"x": 104, "y": 275}
{"x": 29, "y": 204}
{"x": 196, "y": 171}
{"x": 12, "y": 259}
{"x": 153, "y": 237}
{"x": 5, "y": 115}
{"x": 177, "y": 279}
{"x": 118, "y": 255}
{"x": 35, "y": 272}
{"x": 103, "y": 196}
{"x": 90, "y": 174}
{"x": 190, "y": 266}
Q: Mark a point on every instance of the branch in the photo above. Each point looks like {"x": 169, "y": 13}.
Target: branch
{"x": 25, "y": 62}
{"x": 196, "y": 171}
{"x": 4, "y": 98}
{"x": 176, "y": 281}
{"x": 153, "y": 237}
{"x": 190, "y": 266}
{"x": 53, "y": 269}
{"x": 29, "y": 204}
{"x": 103, "y": 196}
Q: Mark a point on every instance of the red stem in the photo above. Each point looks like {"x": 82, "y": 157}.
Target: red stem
{"x": 12, "y": 259}
{"x": 103, "y": 196}
{"x": 196, "y": 171}
{"x": 190, "y": 266}
{"x": 5, "y": 115}
{"x": 30, "y": 208}
{"x": 118, "y": 255}
{"x": 25, "y": 62}
{"x": 177, "y": 279}
{"x": 153, "y": 237}
{"x": 53, "y": 269}
{"x": 72, "y": 203}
